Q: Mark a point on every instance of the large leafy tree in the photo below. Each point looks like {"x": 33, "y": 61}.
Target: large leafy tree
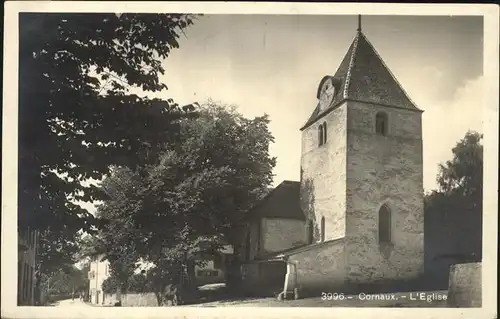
{"x": 196, "y": 195}
{"x": 55, "y": 254}
{"x": 65, "y": 281}
{"x": 463, "y": 174}
{"x": 455, "y": 210}
{"x": 229, "y": 167}
{"x": 137, "y": 283}
{"x": 72, "y": 125}
{"x": 76, "y": 117}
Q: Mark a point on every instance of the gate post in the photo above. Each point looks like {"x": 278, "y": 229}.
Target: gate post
{"x": 290, "y": 284}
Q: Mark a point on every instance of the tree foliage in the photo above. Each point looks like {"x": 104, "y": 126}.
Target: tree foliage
{"x": 458, "y": 200}
{"x": 65, "y": 281}
{"x": 55, "y": 252}
{"x": 461, "y": 178}
{"x": 194, "y": 195}
{"x": 463, "y": 175}
{"x": 76, "y": 116}
{"x": 137, "y": 283}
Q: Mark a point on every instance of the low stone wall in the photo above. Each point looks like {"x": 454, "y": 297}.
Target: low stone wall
{"x": 134, "y": 300}
{"x": 465, "y": 285}
{"x": 320, "y": 268}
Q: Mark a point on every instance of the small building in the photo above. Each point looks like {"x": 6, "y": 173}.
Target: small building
{"x": 99, "y": 271}
{"x": 356, "y": 217}
{"x": 275, "y": 224}
{"x": 213, "y": 268}
{"x": 26, "y": 266}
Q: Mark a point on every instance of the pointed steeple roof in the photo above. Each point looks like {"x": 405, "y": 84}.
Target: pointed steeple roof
{"x": 363, "y": 76}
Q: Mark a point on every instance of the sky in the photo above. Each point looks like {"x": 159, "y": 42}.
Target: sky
{"x": 273, "y": 64}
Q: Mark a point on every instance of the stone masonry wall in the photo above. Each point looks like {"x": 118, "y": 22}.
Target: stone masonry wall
{"x": 280, "y": 234}
{"x": 323, "y": 174}
{"x": 320, "y": 269}
{"x": 384, "y": 169}
{"x": 465, "y": 285}
{"x": 133, "y": 300}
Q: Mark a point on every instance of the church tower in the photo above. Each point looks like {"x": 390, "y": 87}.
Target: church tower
{"x": 362, "y": 168}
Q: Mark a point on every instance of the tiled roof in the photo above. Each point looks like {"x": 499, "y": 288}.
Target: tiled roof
{"x": 363, "y": 76}
{"x": 282, "y": 202}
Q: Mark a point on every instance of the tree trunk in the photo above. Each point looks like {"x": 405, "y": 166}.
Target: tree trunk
{"x": 159, "y": 293}
{"x": 119, "y": 294}
{"x": 191, "y": 274}
{"x": 158, "y": 298}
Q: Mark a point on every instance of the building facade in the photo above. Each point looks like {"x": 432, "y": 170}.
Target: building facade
{"x": 276, "y": 223}
{"x": 26, "y": 266}
{"x": 213, "y": 268}
{"x": 361, "y": 188}
{"x": 99, "y": 271}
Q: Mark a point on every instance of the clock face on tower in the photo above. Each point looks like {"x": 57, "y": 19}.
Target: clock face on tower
{"x": 327, "y": 92}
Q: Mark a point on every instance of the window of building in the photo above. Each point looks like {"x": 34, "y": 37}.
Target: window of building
{"x": 322, "y": 228}
{"x": 381, "y": 123}
{"x": 384, "y": 225}
{"x": 324, "y": 133}
{"x": 320, "y": 135}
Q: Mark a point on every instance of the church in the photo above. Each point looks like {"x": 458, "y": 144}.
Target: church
{"x": 356, "y": 217}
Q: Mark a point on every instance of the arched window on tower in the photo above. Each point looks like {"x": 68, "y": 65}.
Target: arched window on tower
{"x": 323, "y": 228}
{"x": 320, "y": 135}
{"x": 384, "y": 225}
{"x": 324, "y": 133}
{"x": 381, "y": 123}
